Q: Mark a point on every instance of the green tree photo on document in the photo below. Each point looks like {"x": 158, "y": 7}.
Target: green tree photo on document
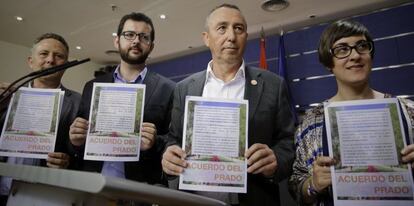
{"x": 396, "y": 126}
{"x": 189, "y": 129}
{"x": 138, "y": 111}
{"x": 54, "y": 113}
{"x": 14, "y": 104}
{"x": 95, "y": 109}
{"x": 242, "y": 118}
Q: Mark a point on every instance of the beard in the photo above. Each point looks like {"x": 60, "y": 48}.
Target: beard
{"x": 133, "y": 60}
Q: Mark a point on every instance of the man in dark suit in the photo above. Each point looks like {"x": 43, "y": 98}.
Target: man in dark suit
{"x": 135, "y": 41}
{"x": 48, "y": 50}
{"x": 271, "y": 127}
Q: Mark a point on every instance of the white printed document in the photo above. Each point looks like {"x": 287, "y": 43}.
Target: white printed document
{"x": 215, "y": 139}
{"x": 31, "y": 123}
{"x": 366, "y": 137}
{"x": 115, "y": 121}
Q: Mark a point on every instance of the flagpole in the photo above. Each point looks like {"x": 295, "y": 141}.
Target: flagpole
{"x": 262, "y": 58}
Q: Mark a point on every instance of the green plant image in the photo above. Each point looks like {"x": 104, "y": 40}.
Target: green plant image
{"x": 189, "y": 129}
{"x": 243, "y": 135}
{"x": 138, "y": 110}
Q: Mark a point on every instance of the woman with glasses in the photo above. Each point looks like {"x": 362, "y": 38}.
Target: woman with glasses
{"x": 347, "y": 50}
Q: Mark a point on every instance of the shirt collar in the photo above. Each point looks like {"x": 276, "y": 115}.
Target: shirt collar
{"x": 31, "y": 85}
{"x": 241, "y": 74}
{"x": 138, "y": 80}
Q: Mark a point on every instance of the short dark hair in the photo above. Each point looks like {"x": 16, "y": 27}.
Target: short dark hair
{"x": 52, "y": 36}
{"x": 136, "y": 17}
{"x": 230, "y": 6}
{"x": 334, "y": 32}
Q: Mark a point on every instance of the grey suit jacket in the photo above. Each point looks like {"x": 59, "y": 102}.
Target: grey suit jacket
{"x": 270, "y": 122}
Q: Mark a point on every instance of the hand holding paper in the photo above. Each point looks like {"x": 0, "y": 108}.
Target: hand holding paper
{"x": 322, "y": 173}
{"x": 57, "y": 160}
{"x": 78, "y": 130}
{"x": 261, "y": 160}
{"x": 149, "y": 133}
{"x": 173, "y": 162}
{"x": 408, "y": 154}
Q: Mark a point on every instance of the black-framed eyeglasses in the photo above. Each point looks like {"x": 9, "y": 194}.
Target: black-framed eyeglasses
{"x": 343, "y": 51}
{"x": 131, "y": 36}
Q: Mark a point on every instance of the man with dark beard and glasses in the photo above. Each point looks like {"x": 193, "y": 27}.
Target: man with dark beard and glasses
{"x": 134, "y": 41}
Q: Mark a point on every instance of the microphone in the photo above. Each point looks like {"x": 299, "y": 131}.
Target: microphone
{"x": 37, "y": 74}
{"x": 59, "y": 68}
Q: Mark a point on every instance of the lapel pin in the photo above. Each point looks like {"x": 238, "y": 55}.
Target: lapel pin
{"x": 253, "y": 82}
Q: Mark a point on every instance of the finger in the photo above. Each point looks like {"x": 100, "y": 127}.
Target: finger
{"x": 407, "y": 149}
{"x": 150, "y": 132}
{"x": 171, "y": 169}
{"x": 322, "y": 182}
{"x": 145, "y": 144}
{"x": 57, "y": 160}
{"x": 145, "y": 141}
{"x": 319, "y": 170}
{"x": 408, "y": 153}
{"x": 78, "y": 137}
{"x": 148, "y": 125}
{"x": 259, "y": 154}
{"x": 80, "y": 123}
{"x": 58, "y": 155}
{"x": 266, "y": 169}
{"x": 75, "y": 130}
{"x": 324, "y": 161}
{"x": 253, "y": 149}
{"x": 81, "y": 120}
{"x": 175, "y": 155}
{"x": 148, "y": 136}
{"x": 257, "y": 166}
{"x": 408, "y": 158}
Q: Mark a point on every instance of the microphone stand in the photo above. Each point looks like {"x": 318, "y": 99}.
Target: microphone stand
{"x": 36, "y": 74}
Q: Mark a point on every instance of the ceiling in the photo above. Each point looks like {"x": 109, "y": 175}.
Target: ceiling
{"x": 90, "y": 23}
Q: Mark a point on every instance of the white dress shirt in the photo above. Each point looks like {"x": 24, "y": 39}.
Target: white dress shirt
{"x": 233, "y": 89}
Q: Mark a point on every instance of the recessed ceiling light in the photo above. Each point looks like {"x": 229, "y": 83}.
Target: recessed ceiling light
{"x": 163, "y": 16}
{"x": 19, "y": 18}
{"x": 114, "y": 34}
{"x": 274, "y": 5}
{"x": 78, "y": 47}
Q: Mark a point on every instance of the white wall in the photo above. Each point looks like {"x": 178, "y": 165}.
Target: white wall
{"x": 13, "y": 64}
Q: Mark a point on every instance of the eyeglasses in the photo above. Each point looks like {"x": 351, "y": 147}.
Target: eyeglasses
{"x": 131, "y": 36}
{"x": 343, "y": 51}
